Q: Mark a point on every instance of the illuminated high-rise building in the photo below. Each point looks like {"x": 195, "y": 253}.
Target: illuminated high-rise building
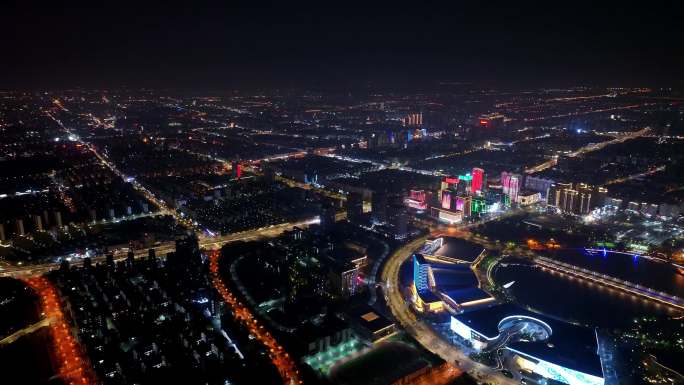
{"x": 415, "y": 119}
{"x": 465, "y": 184}
{"x": 447, "y": 183}
{"x": 579, "y": 200}
{"x": 553, "y": 197}
{"x": 463, "y": 204}
{"x": 511, "y": 185}
{"x": 569, "y": 201}
{"x": 477, "y": 206}
{"x": 478, "y": 180}
{"x": 446, "y": 200}
{"x": 514, "y": 187}
{"x": 421, "y": 273}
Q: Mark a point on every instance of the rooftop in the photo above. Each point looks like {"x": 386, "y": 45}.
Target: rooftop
{"x": 571, "y": 346}
{"x": 465, "y": 295}
{"x": 459, "y": 249}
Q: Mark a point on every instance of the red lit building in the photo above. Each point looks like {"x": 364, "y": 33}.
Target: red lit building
{"x": 491, "y": 121}
{"x": 416, "y": 200}
{"x": 418, "y": 195}
{"x": 237, "y": 170}
{"x": 478, "y": 180}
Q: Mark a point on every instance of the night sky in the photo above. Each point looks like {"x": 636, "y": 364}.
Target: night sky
{"x": 340, "y": 43}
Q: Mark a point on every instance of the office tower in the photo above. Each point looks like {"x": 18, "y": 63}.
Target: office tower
{"x": 463, "y": 204}
{"x": 478, "y": 180}
{"x": 506, "y": 181}
{"x": 580, "y": 200}
{"x": 569, "y": 201}
{"x": 511, "y": 185}
{"x": 541, "y": 185}
{"x": 414, "y": 119}
{"x": 585, "y": 199}
{"x": 514, "y": 187}
{"x": 553, "y": 197}
{"x": 421, "y": 273}
{"x": 465, "y": 184}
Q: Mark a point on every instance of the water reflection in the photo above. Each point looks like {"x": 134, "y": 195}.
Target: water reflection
{"x": 571, "y": 298}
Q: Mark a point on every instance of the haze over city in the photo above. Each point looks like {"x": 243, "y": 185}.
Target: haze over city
{"x": 341, "y": 193}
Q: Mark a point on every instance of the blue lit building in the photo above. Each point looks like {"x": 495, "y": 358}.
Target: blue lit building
{"x": 539, "y": 346}
{"x": 440, "y": 285}
{"x": 421, "y": 273}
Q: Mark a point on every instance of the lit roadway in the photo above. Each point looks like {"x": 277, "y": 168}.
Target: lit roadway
{"x": 587, "y": 149}
{"x": 72, "y": 366}
{"x": 25, "y": 331}
{"x": 163, "y": 208}
{"x": 205, "y": 242}
{"x": 248, "y": 167}
{"x": 421, "y": 331}
{"x": 650, "y": 171}
{"x": 279, "y": 357}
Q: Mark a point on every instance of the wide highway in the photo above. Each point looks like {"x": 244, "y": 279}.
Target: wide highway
{"x": 205, "y": 242}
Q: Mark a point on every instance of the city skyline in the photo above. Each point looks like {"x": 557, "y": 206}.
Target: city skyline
{"x": 341, "y": 194}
